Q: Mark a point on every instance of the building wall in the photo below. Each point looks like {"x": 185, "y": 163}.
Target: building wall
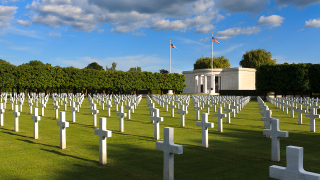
{"x": 231, "y": 78}
{"x": 247, "y": 80}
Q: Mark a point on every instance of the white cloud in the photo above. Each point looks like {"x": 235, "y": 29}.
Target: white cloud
{"x": 21, "y": 32}
{"x": 24, "y": 23}
{"x": 6, "y": 14}
{"x": 6, "y": 42}
{"x": 271, "y": 21}
{"x": 53, "y": 34}
{"x": 231, "y": 32}
{"x": 204, "y": 29}
{"x": 100, "y": 31}
{"x": 297, "y": 3}
{"x": 204, "y": 39}
{"x": 224, "y": 52}
{"x": 146, "y": 62}
{"x": 243, "y": 6}
{"x": 6, "y": 1}
{"x": 126, "y": 16}
{"x": 312, "y": 23}
{"x": 139, "y": 34}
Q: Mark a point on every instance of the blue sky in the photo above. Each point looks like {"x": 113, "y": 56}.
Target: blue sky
{"x": 137, "y": 32}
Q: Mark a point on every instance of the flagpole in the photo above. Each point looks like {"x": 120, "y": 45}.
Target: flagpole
{"x": 212, "y": 91}
{"x": 211, "y": 54}
{"x": 170, "y": 55}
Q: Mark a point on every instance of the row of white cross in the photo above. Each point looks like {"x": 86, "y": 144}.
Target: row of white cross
{"x": 294, "y": 169}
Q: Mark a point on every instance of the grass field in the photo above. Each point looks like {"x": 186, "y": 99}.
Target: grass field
{"x": 240, "y": 152}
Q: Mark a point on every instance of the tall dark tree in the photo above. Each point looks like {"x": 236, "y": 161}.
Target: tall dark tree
{"x": 94, "y": 65}
{"x": 113, "y": 67}
{"x": 135, "y": 69}
{"x": 163, "y": 71}
{"x": 206, "y": 62}
{"x": 256, "y": 58}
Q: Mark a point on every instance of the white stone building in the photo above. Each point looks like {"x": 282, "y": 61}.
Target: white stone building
{"x": 199, "y": 81}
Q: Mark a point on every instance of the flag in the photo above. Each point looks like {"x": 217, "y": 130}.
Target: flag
{"x": 172, "y": 46}
{"x": 215, "y": 40}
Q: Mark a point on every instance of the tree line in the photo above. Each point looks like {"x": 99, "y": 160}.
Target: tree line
{"x": 39, "y": 77}
{"x": 283, "y": 78}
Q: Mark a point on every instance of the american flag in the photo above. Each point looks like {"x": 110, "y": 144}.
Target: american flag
{"x": 172, "y": 46}
{"x": 215, "y": 40}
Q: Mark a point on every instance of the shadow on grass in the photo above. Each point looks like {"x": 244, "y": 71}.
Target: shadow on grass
{"x": 32, "y": 142}
{"x": 68, "y": 155}
{"x": 12, "y": 132}
{"x": 147, "y": 138}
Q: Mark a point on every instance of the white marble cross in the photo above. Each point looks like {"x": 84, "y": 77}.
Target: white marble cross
{"x": 197, "y": 107}
{"x": 133, "y": 105}
{"x": 312, "y": 116}
{"x": 65, "y": 104}
{"x": 73, "y": 109}
{"x": 315, "y": 106}
{"x": 116, "y": 103}
{"x": 205, "y": 125}
{"x": 16, "y": 118}
{"x": 30, "y": 105}
{"x": 121, "y": 114}
{"x": 220, "y": 115}
{"x": 36, "y": 120}
{"x": 43, "y": 105}
{"x": 56, "y": 107}
{"x": 21, "y": 103}
{"x": 208, "y": 107}
{"x": 169, "y": 149}
{"x": 94, "y": 111}
{"x": 172, "y": 106}
{"x": 63, "y": 125}
{"x": 275, "y": 134}
{"x": 228, "y": 110}
{"x": 102, "y": 101}
{"x": 182, "y": 111}
{"x": 108, "y": 105}
{"x": 166, "y": 103}
{"x": 267, "y": 118}
{"x": 294, "y": 169}
{"x": 78, "y": 105}
{"x": 2, "y": 110}
{"x": 292, "y": 108}
{"x": 128, "y": 107}
{"x": 234, "y": 107}
{"x": 156, "y": 119}
{"x": 300, "y": 111}
{"x": 103, "y": 134}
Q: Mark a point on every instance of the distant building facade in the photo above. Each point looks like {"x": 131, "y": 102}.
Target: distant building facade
{"x": 199, "y": 81}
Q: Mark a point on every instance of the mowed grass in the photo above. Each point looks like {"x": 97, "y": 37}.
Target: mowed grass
{"x": 240, "y": 152}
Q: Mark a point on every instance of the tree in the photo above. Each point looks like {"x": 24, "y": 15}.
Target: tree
{"x": 113, "y": 67}
{"x": 256, "y": 58}
{"x": 36, "y": 63}
{"x": 94, "y": 65}
{"x": 135, "y": 69}
{"x": 205, "y": 63}
{"x": 163, "y": 71}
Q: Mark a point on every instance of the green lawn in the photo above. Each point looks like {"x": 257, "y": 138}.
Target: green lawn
{"x": 240, "y": 152}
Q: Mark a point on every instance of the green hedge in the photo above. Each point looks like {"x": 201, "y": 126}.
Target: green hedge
{"x": 289, "y": 77}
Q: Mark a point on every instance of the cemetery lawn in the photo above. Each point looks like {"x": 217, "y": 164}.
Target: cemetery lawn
{"x": 240, "y": 152}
